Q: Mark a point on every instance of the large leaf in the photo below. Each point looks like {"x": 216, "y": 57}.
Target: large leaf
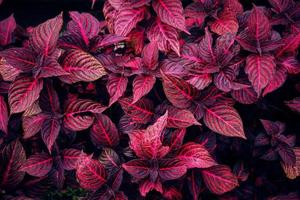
{"x": 195, "y": 155}
{"x": 49, "y": 131}
{"x": 226, "y": 23}
{"x": 116, "y": 86}
{"x": 170, "y": 12}
{"x": 245, "y": 95}
{"x": 180, "y": 118}
{"x": 178, "y": 92}
{"x": 170, "y": 169}
{"x": 43, "y": 38}
{"x": 12, "y": 157}
{"x": 110, "y": 160}
{"x": 219, "y": 179}
{"x": 137, "y": 168}
{"x": 258, "y": 24}
{"x": 127, "y": 18}
{"x": 142, "y": 85}
{"x": 83, "y": 25}
{"x": 7, "y": 28}
{"x": 224, "y": 120}
{"x": 78, "y": 114}
{"x": 104, "y": 132}
{"x": 81, "y": 66}
{"x": 166, "y": 36}
{"x": 260, "y": 70}
{"x": 140, "y": 112}
{"x": 277, "y": 81}
{"x": 37, "y": 165}
{"x": 3, "y": 115}
{"x": 23, "y": 92}
{"x": 90, "y": 174}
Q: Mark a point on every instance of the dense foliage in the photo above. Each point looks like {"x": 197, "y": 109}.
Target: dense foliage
{"x": 158, "y": 101}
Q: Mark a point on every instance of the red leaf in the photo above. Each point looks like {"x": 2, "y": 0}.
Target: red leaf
{"x": 180, "y": 118}
{"x": 90, "y": 174}
{"x": 170, "y": 12}
{"x": 291, "y": 43}
{"x": 245, "y": 95}
{"x": 226, "y": 23}
{"x": 107, "y": 40}
{"x": 137, "y": 168}
{"x": 140, "y": 112}
{"x": 195, "y": 15}
{"x": 71, "y": 157}
{"x": 37, "y": 165}
{"x": 178, "y": 92}
{"x": 206, "y": 51}
{"x": 23, "y": 92}
{"x": 276, "y": 82}
{"x": 44, "y": 37}
{"x": 273, "y": 128}
{"x": 260, "y": 70}
{"x": 77, "y": 114}
{"x": 19, "y": 58}
{"x": 49, "y": 132}
{"x": 116, "y": 86}
{"x": 165, "y": 35}
{"x": 280, "y": 5}
{"x": 147, "y": 143}
{"x": 200, "y": 81}
{"x": 219, "y": 179}
{"x": 224, "y": 120}
{"x": 136, "y": 40}
{"x": 8, "y": 72}
{"x": 104, "y": 132}
{"x": 258, "y": 24}
{"x": 194, "y": 183}
{"x": 150, "y": 55}
{"x": 50, "y": 68}
{"x": 294, "y": 104}
{"x": 3, "y": 115}
{"x": 83, "y": 25}
{"x": 195, "y": 155}
{"x": 81, "y": 66}
{"x": 12, "y": 157}
{"x": 33, "y": 124}
{"x": 170, "y": 169}
{"x": 142, "y": 85}
{"x": 110, "y": 160}
{"x": 176, "y": 139}
{"x": 7, "y": 28}
{"x": 127, "y": 19}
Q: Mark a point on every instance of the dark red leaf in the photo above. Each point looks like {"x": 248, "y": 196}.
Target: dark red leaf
{"x": 142, "y": 85}
{"x": 110, "y": 160}
{"x": 33, "y": 124}
{"x": 219, "y": 179}
{"x": 294, "y": 104}
{"x": 245, "y": 95}
{"x": 277, "y": 81}
{"x": 23, "y": 92}
{"x": 37, "y": 165}
{"x": 180, "y": 118}
{"x": 49, "y": 132}
{"x": 43, "y": 38}
{"x": 104, "y": 132}
{"x": 170, "y": 169}
{"x": 71, "y": 157}
{"x": 146, "y": 186}
{"x": 3, "y": 115}
{"x": 116, "y": 86}
{"x": 137, "y": 168}
{"x": 150, "y": 55}
{"x": 226, "y": 23}
{"x": 7, "y": 28}
{"x": 12, "y": 157}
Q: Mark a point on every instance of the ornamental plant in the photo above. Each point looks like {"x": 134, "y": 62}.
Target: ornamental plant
{"x": 162, "y": 99}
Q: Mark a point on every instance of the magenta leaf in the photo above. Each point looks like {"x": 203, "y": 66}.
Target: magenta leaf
{"x": 7, "y": 28}
{"x": 219, "y": 179}
{"x": 142, "y": 85}
{"x": 180, "y": 118}
{"x": 3, "y": 115}
{"x": 258, "y": 24}
{"x": 170, "y": 169}
{"x": 277, "y": 81}
{"x": 110, "y": 160}
{"x": 137, "y": 168}
{"x": 175, "y": 139}
{"x": 37, "y": 165}
{"x": 260, "y": 70}
{"x": 224, "y": 120}
{"x": 71, "y": 157}
{"x": 23, "y": 92}
{"x": 226, "y": 23}
{"x": 294, "y": 104}
{"x": 33, "y": 124}
{"x": 43, "y": 38}
{"x": 90, "y": 173}
{"x": 12, "y": 157}
{"x": 81, "y": 66}
{"x": 146, "y": 186}
{"x": 171, "y": 13}
{"x": 165, "y": 35}
{"x": 49, "y": 132}
{"x": 195, "y": 155}
{"x": 150, "y": 55}
{"x": 116, "y": 86}
{"x": 104, "y": 132}
{"x": 245, "y": 95}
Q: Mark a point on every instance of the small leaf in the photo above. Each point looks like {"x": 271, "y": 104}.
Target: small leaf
{"x": 195, "y": 155}
{"x": 49, "y": 132}
{"x": 137, "y": 168}
{"x": 71, "y": 157}
{"x": 294, "y": 104}
{"x": 180, "y": 118}
{"x": 170, "y": 169}
{"x": 224, "y": 120}
{"x": 219, "y": 179}
{"x": 33, "y": 124}
{"x": 7, "y": 28}
{"x": 150, "y": 55}
{"x": 23, "y": 92}
{"x": 37, "y": 165}
{"x": 116, "y": 86}
{"x": 3, "y": 115}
